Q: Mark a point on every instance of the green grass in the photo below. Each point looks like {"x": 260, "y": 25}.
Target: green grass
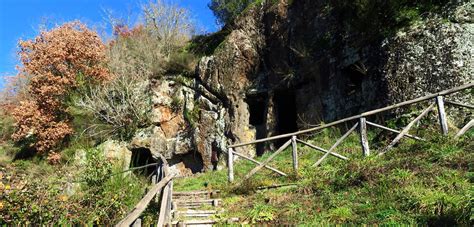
{"x": 422, "y": 183}
{"x": 33, "y": 191}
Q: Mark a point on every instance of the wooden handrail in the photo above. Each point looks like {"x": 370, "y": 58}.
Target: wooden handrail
{"x": 165, "y": 207}
{"x": 141, "y": 206}
{"x": 365, "y": 114}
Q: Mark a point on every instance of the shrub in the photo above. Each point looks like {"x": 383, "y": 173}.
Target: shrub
{"x": 136, "y": 56}
{"x": 227, "y": 10}
{"x": 261, "y": 213}
{"x": 6, "y": 126}
{"x": 47, "y": 195}
{"x": 168, "y": 23}
{"x": 53, "y": 61}
{"x": 96, "y": 168}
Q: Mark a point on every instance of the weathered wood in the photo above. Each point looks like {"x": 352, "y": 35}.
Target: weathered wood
{"x": 364, "y": 142}
{"x": 442, "y": 115}
{"x": 137, "y": 223}
{"x": 277, "y": 186}
{"x": 258, "y": 163}
{"x": 230, "y": 165}
{"x": 339, "y": 141}
{"x": 165, "y": 165}
{"x": 294, "y": 153}
{"x": 393, "y": 130}
{"x": 323, "y": 150}
{"x": 169, "y": 203}
{"x": 201, "y": 192}
{"x": 162, "y": 217}
{"x": 459, "y": 104}
{"x": 372, "y": 112}
{"x": 465, "y": 128}
{"x": 407, "y": 128}
{"x": 153, "y": 182}
{"x": 259, "y": 167}
{"x": 141, "y": 206}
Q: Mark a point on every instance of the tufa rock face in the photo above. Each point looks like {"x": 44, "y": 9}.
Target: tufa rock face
{"x": 117, "y": 152}
{"x": 187, "y": 119}
{"x": 202, "y": 116}
{"x": 284, "y": 67}
{"x": 430, "y": 57}
{"x": 114, "y": 151}
{"x": 230, "y": 72}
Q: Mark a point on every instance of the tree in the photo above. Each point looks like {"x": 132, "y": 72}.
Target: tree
{"x": 227, "y": 10}
{"x": 56, "y": 62}
{"x": 137, "y": 54}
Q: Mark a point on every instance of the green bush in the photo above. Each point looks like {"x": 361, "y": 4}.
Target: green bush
{"x": 375, "y": 18}
{"x": 6, "y": 127}
{"x": 42, "y": 194}
{"x": 261, "y": 213}
{"x": 96, "y": 169}
{"x": 227, "y": 10}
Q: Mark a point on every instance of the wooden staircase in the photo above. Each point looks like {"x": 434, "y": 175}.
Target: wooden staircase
{"x": 195, "y": 208}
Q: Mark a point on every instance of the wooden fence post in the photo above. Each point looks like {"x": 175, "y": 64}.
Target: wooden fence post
{"x": 137, "y": 223}
{"x": 465, "y": 129}
{"x": 295, "y": 154}
{"x": 230, "y": 165}
{"x": 363, "y": 136}
{"x": 169, "y": 202}
{"x": 442, "y": 115}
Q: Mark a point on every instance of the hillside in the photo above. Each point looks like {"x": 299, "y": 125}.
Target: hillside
{"x": 92, "y": 124}
{"x": 418, "y": 183}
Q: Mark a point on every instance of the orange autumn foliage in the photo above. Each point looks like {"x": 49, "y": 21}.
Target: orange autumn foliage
{"x": 54, "y": 61}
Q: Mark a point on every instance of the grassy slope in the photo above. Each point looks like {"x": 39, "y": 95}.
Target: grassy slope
{"x": 423, "y": 182}
{"x": 32, "y": 191}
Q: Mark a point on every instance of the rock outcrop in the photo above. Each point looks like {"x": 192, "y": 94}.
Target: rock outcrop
{"x": 284, "y": 67}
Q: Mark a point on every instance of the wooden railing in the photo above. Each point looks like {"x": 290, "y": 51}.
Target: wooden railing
{"x": 361, "y": 124}
{"x": 162, "y": 182}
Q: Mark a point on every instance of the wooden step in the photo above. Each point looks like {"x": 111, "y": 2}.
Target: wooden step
{"x": 196, "y": 192}
{"x": 195, "y": 213}
{"x": 196, "y": 203}
{"x": 202, "y": 222}
{"x": 195, "y": 195}
{"x": 197, "y": 222}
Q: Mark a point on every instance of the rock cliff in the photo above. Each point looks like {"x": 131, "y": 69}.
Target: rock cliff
{"x": 284, "y": 67}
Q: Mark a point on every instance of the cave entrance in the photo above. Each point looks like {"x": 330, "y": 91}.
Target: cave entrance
{"x": 285, "y": 105}
{"x": 258, "y": 112}
{"x": 190, "y": 162}
{"x": 354, "y": 74}
{"x": 141, "y": 157}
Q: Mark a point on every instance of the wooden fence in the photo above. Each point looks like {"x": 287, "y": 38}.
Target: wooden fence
{"x": 438, "y": 100}
{"x": 162, "y": 182}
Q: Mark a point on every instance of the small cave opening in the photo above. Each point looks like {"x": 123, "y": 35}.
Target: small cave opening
{"x": 258, "y": 110}
{"x": 215, "y": 156}
{"x": 141, "y": 157}
{"x": 355, "y": 74}
{"x": 190, "y": 162}
{"x": 286, "y": 119}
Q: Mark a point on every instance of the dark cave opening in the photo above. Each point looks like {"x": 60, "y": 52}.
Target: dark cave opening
{"x": 355, "y": 74}
{"x": 192, "y": 161}
{"x": 258, "y": 111}
{"x": 285, "y": 104}
{"x": 141, "y": 157}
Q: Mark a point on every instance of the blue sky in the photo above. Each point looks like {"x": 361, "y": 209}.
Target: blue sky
{"x": 20, "y": 19}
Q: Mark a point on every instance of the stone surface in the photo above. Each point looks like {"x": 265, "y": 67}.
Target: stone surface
{"x": 117, "y": 152}
{"x": 294, "y": 66}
